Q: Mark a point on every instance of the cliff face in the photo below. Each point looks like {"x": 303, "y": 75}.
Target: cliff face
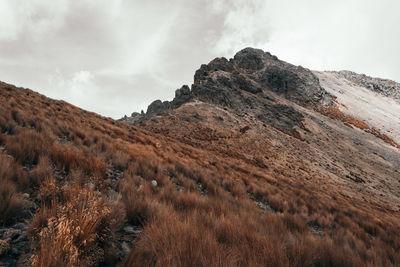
{"x": 256, "y": 72}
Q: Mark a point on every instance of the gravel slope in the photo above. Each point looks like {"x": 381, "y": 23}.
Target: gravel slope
{"x": 364, "y": 104}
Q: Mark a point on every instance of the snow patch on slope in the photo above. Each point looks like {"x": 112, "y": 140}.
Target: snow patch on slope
{"x": 373, "y": 108}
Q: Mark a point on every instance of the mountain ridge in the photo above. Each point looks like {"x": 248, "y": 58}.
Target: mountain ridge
{"x": 249, "y": 70}
{"x": 242, "y": 170}
{"x": 251, "y": 74}
{"x": 386, "y": 87}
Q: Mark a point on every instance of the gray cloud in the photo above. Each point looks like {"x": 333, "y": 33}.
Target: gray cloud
{"x": 115, "y": 57}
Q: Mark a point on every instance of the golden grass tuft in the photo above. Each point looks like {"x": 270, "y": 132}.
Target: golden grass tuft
{"x": 77, "y": 232}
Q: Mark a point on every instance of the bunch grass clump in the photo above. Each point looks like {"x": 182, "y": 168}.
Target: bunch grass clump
{"x": 78, "y": 232}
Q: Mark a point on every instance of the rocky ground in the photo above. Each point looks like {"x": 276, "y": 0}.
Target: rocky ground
{"x": 356, "y": 96}
{"x": 385, "y": 87}
{"x": 15, "y": 245}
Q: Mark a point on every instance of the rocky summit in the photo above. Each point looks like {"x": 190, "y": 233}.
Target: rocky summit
{"x": 257, "y": 163}
{"x": 247, "y": 84}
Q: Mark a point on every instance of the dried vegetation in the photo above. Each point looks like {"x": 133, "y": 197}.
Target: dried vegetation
{"x": 95, "y": 175}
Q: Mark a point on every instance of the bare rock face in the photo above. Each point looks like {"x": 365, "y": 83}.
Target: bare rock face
{"x": 244, "y": 84}
{"x": 282, "y": 117}
{"x": 156, "y": 107}
{"x": 256, "y": 71}
{"x": 182, "y": 95}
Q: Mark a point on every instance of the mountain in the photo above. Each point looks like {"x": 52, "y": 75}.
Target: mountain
{"x": 259, "y": 163}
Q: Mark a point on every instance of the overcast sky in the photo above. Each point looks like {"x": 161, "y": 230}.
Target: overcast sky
{"x": 114, "y": 57}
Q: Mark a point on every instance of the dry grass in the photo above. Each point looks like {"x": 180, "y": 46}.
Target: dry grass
{"x": 42, "y": 171}
{"x": 11, "y": 203}
{"x": 68, "y": 158}
{"x": 77, "y": 232}
{"x": 216, "y": 203}
{"x": 27, "y": 146}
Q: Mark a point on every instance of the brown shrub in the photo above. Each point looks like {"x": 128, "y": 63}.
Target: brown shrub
{"x": 66, "y": 158}
{"x": 137, "y": 202}
{"x": 3, "y": 124}
{"x": 50, "y": 192}
{"x": 39, "y": 221}
{"x": 335, "y": 113}
{"x": 27, "y": 146}
{"x": 11, "y": 204}
{"x": 294, "y": 223}
{"x": 12, "y": 171}
{"x": 41, "y": 171}
{"x": 193, "y": 239}
{"x": 300, "y": 250}
{"x": 329, "y": 254}
{"x": 120, "y": 159}
{"x": 79, "y": 231}
{"x": 184, "y": 244}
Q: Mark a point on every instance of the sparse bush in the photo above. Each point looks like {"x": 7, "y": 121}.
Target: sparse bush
{"x": 11, "y": 203}
{"x": 137, "y": 203}
{"x": 41, "y": 171}
{"x": 120, "y": 160}
{"x": 40, "y": 221}
{"x": 27, "y": 146}
{"x": 67, "y": 158}
{"x": 176, "y": 242}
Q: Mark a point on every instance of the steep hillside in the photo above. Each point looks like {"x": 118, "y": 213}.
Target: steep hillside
{"x": 257, "y": 164}
{"x": 372, "y": 100}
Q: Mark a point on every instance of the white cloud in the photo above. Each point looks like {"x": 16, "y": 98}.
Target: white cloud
{"x": 8, "y": 27}
{"x": 244, "y": 25}
{"x": 358, "y": 35}
{"x": 111, "y": 56}
{"x": 34, "y": 18}
{"x": 78, "y": 88}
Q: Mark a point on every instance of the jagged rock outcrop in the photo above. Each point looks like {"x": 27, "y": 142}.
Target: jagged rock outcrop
{"x": 244, "y": 84}
{"x": 182, "y": 95}
{"x": 156, "y": 107}
{"x": 255, "y": 71}
{"x": 385, "y": 87}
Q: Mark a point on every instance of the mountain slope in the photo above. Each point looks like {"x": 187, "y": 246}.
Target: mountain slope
{"x": 328, "y": 118}
{"x": 372, "y": 100}
{"x": 255, "y": 165}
